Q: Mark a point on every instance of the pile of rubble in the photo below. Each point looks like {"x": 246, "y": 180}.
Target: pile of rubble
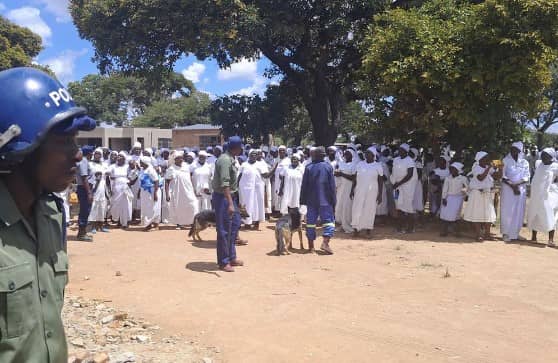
{"x": 97, "y": 333}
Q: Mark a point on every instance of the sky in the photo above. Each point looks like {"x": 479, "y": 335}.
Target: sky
{"x": 69, "y": 56}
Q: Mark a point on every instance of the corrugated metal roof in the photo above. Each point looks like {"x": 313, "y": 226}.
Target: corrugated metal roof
{"x": 198, "y": 127}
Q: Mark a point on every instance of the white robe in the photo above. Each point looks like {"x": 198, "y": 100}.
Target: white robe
{"x": 264, "y": 168}
{"x": 183, "y": 204}
{"x": 100, "y": 205}
{"x": 122, "y": 197}
{"x": 292, "y": 184}
{"x": 404, "y": 202}
{"x": 453, "y": 191}
{"x": 344, "y": 207}
{"x": 480, "y": 206}
{"x": 366, "y": 195}
{"x": 134, "y": 175}
{"x": 418, "y": 199}
{"x": 542, "y": 214}
{"x": 201, "y": 178}
{"x": 276, "y": 200}
{"x": 251, "y": 193}
{"x": 150, "y": 209}
{"x": 513, "y": 206}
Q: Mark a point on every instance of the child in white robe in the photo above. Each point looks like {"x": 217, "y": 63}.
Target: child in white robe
{"x": 543, "y": 207}
{"x": 480, "y": 206}
{"x": 453, "y": 193}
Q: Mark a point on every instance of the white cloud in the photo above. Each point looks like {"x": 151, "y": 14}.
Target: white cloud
{"x": 258, "y": 87}
{"x": 58, "y": 8}
{"x": 245, "y": 69}
{"x": 64, "y": 64}
{"x": 31, "y": 18}
{"x": 194, "y": 72}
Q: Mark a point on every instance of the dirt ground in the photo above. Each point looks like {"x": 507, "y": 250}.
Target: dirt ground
{"x": 393, "y": 298}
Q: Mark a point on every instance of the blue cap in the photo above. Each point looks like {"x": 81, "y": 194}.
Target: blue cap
{"x": 235, "y": 141}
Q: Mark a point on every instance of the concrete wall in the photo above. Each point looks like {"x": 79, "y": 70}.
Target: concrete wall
{"x": 191, "y": 138}
{"x": 122, "y": 138}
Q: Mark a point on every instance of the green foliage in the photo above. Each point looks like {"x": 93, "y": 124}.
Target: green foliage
{"x": 181, "y": 111}
{"x": 18, "y": 45}
{"x": 459, "y": 71}
{"x": 116, "y": 97}
{"x": 313, "y": 44}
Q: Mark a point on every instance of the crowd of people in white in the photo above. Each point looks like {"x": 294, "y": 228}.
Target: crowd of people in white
{"x": 399, "y": 183}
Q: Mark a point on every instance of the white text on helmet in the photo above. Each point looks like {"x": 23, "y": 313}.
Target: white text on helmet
{"x": 61, "y": 94}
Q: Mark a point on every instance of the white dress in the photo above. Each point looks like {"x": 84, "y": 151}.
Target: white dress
{"x": 183, "y": 205}
{"x": 418, "y": 199}
{"x": 344, "y": 207}
{"x": 543, "y": 205}
{"x": 366, "y": 195}
{"x": 480, "y": 206}
{"x": 436, "y": 190}
{"x": 276, "y": 200}
{"x": 250, "y": 193}
{"x": 201, "y": 178}
{"x": 453, "y": 191}
{"x": 150, "y": 209}
{"x": 512, "y": 207}
{"x": 100, "y": 205}
{"x": 404, "y": 202}
{"x": 264, "y": 168}
{"x": 291, "y": 190}
{"x": 122, "y": 197}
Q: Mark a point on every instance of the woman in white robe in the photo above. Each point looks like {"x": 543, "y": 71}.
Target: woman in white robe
{"x": 122, "y": 197}
{"x": 266, "y": 172}
{"x": 133, "y": 177}
{"x": 150, "y": 195}
{"x": 201, "y": 177}
{"x": 98, "y": 180}
{"x": 480, "y": 206}
{"x": 251, "y": 191}
{"x": 345, "y": 174}
{"x": 514, "y": 192}
{"x": 453, "y": 194}
{"x": 418, "y": 199}
{"x": 542, "y": 214}
{"x": 165, "y": 208}
{"x": 183, "y": 204}
{"x": 291, "y": 183}
{"x": 282, "y": 161}
{"x": 367, "y": 191}
{"x": 404, "y": 179}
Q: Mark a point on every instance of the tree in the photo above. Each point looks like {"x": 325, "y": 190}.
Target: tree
{"x": 312, "y": 43}
{"x": 240, "y": 115}
{"x": 181, "y": 111}
{"x": 458, "y": 70}
{"x": 117, "y": 97}
{"x": 18, "y": 45}
{"x": 548, "y": 116}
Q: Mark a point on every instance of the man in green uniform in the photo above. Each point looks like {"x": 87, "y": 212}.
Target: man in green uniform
{"x": 38, "y": 155}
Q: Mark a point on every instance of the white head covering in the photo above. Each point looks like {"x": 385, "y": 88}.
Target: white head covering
{"x": 458, "y": 166}
{"x": 145, "y": 159}
{"x": 178, "y": 153}
{"x": 334, "y": 148}
{"x": 192, "y": 155}
{"x": 518, "y": 145}
{"x": 282, "y": 147}
{"x": 313, "y": 148}
{"x": 149, "y": 150}
{"x": 203, "y": 153}
{"x": 405, "y": 147}
{"x": 137, "y": 144}
{"x": 122, "y": 153}
{"x": 374, "y": 151}
{"x": 550, "y": 151}
{"x": 296, "y": 155}
{"x": 480, "y": 155}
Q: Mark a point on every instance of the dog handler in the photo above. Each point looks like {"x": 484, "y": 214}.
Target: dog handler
{"x": 318, "y": 194}
{"x": 38, "y": 154}
{"x": 227, "y": 215}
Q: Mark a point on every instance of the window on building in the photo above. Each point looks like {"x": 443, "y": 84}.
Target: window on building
{"x": 206, "y": 141}
{"x": 165, "y": 143}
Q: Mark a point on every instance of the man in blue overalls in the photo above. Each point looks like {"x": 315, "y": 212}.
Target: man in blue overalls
{"x": 318, "y": 194}
{"x": 227, "y": 216}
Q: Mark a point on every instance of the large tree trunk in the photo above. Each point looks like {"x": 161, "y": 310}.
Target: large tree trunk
{"x": 540, "y": 139}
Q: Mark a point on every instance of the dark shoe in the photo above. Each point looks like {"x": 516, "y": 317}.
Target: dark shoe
{"x": 85, "y": 238}
{"x": 237, "y": 263}
{"x": 226, "y": 268}
{"x": 241, "y": 242}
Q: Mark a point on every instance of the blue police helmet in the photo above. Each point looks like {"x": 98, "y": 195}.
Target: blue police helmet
{"x": 32, "y": 103}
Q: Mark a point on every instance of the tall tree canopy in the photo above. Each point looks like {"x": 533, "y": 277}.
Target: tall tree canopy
{"x": 18, "y": 45}
{"x": 460, "y": 70}
{"x": 548, "y": 114}
{"x": 116, "y": 98}
{"x": 312, "y": 43}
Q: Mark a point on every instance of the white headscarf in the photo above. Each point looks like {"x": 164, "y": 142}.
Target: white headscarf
{"x": 480, "y": 155}
{"x": 145, "y": 159}
{"x": 458, "y": 166}
{"x": 137, "y": 144}
{"x": 518, "y": 145}
{"x": 374, "y": 151}
{"x": 149, "y": 150}
{"x": 203, "y": 153}
{"x": 550, "y": 151}
{"x": 405, "y": 147}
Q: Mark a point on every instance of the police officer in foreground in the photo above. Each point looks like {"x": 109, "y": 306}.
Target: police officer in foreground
{"x": 225, "y": 202}
{"x": 38, "y": 153}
